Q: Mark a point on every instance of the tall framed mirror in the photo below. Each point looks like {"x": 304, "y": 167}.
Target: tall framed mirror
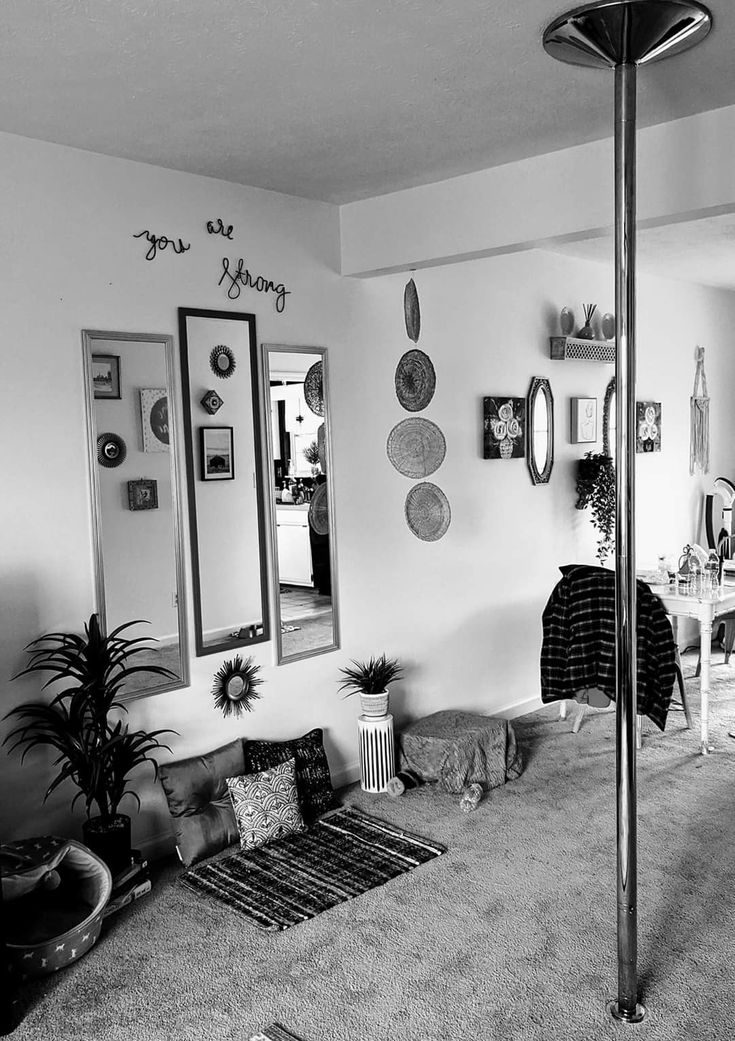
{"x": 301, "y": 501}
{"x": 135, "y": 497}
{"x": 540, "y": 430}
{"x": 222, "y": 433}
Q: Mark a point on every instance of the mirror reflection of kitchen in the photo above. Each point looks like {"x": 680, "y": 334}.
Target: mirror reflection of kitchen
{"x": 300, "y": 488}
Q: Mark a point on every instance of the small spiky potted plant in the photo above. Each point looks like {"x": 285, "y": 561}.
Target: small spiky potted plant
{"x": 96, "y": 749}
{"x": 371, "y": 680}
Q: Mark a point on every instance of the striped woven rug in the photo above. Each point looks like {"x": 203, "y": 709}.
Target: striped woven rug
{"x": 344, "y": 854}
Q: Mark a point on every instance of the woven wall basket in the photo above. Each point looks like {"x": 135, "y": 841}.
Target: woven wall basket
{"x": 319, "y": 511}
{"x": 428, "y": 513}
{"x": 314, "y": 389}
{"x": 415, "y": 380}
{"x": 416, "y": 447}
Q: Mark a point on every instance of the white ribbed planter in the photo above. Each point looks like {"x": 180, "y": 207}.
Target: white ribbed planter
{"x": 374, "y": 705}
{"x": 377, "y": 752}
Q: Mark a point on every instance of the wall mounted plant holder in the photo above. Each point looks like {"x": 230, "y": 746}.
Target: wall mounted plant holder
{"x": 411, "y": 311}
{"x": 571, "y": 348}
{"x": 212, "y": 402}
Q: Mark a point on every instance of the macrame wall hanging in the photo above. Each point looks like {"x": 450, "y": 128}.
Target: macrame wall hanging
{"x": 699, "y": 418}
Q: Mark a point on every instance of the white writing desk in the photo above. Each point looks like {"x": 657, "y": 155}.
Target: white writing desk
{"x": 706, "y": 610}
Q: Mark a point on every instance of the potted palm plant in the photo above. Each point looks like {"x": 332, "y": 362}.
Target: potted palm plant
{"x": 85, "y": 724}
{"x": 371, "y": 680}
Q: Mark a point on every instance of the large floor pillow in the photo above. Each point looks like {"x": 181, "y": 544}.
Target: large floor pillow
{"x": 456, "y": 749}
{"x": 54, "y": 895}
{"x": 313, "y": 780}
{"x": 199, "y": 801}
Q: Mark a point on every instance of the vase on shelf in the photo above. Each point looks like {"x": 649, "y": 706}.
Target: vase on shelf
{"x": 587, "y": 332}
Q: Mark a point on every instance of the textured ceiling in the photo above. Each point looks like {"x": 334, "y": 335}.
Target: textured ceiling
{"x": 700, "y": 251}
{"x": 328, "y": 99}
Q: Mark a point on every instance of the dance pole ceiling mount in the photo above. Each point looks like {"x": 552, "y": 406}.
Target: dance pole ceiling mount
{"x": 621, "y": 35}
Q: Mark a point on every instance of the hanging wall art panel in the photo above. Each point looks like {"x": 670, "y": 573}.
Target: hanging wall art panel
{"x": 504, "y": 428}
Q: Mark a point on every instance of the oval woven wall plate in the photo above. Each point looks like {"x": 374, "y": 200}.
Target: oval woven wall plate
{"x": 319, "y": 511}
{"x": 428, "y": 513}
{"x": 411, "y": 311}
{"x": 314, "y": 389}
{"x": 416, "y": 447}
{"x": 415, "y": 380}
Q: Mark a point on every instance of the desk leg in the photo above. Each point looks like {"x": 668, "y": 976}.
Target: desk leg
{"x": 705, "y": 638}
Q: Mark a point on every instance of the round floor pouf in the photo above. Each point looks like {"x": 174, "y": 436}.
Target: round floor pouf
{"x": 377, "y": 752}
{"x": 55, "y": 892}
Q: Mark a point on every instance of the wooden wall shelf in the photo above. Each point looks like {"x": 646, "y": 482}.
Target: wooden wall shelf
{"x": 569, "y": 348}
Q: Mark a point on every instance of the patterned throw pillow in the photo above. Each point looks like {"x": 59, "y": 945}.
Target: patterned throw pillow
{"x": 313, "y": 781}
{"x": 266, "y": 805}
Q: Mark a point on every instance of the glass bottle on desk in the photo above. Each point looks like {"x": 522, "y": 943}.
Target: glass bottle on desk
{"x": 712, "y": 575}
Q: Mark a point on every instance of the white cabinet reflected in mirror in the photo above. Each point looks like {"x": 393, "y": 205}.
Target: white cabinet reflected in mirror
{"x": 136, "y": 505}
{"x": 296, "y": 411}
{"x": 219, "y": 383}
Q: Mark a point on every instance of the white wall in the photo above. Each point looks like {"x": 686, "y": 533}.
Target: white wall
{"x": 463, "y": 614}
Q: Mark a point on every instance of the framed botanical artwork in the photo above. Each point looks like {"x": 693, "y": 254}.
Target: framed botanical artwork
{"x": 216, "y": 454}
{"x": 143, "y": 494}
{"x": 106, "y": 375}
{"x": 648, "y": 426}
{"x": 583, "y": 425}
{"x": 154, "y": 419}
{"x": 504, "y": 428}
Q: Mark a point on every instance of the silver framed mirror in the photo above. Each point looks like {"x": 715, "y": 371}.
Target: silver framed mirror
{"x": 132, "y": 440}
{"x": 222, "y": 435}
{"x": 302, "y": 530}
{"x": 540, "y": 432}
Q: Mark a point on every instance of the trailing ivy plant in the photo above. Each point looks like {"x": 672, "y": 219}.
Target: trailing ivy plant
{"x": 596, "y": 489}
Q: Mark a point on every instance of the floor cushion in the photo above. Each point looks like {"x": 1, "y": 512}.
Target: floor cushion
{"x": 313, "y": 780}
{"x": 199, "y": 801}
{"x": 456, "y": 749}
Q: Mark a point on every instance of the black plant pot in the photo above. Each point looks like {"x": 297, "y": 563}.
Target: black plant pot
{"x": 109, "y": 838}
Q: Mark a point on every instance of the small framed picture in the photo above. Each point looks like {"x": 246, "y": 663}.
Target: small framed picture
{"x": 143, "y": 495}
{"x": 217, "y": 457}
{"x": 106, "y": 375}
{"x": 583, "y": 425}
{"x": 648, "y": 426}
{"x": 504, "y": 428}
{"x": 154, "y": 419}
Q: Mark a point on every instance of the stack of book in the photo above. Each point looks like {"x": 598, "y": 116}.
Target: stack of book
{"x": 129, "y": 884}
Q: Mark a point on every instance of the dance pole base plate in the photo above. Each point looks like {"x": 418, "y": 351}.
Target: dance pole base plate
{"x": 623, "y": 1016}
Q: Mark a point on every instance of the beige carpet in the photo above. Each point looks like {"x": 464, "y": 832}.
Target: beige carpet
{"x": 510, "y": 935}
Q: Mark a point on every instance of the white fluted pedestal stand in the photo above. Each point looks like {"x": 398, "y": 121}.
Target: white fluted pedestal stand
{"x": 377, "y": 752}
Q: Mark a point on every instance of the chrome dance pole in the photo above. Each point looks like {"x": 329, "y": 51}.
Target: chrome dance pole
{"x": 621, "y": 35}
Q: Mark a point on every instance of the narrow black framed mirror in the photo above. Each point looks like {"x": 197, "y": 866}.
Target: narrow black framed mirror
{"x": 301, "y": 501}
{"x": 540, "y": 434}
{"x": 222, "y": 433}
{"x": 132, "y": 439}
